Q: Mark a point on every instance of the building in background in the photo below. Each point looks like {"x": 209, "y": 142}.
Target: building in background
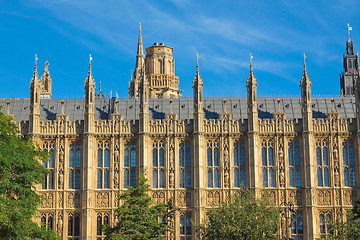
{"x": 197, "y": 151}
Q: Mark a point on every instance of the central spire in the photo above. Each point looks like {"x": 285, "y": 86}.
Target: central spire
{"x": 140, "y": 49}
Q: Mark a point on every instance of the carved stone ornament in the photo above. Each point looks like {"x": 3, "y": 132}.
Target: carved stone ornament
{"x": 171, "y": 165}
{"x": 226, "y": 164}
{"x": 59, "y": 225}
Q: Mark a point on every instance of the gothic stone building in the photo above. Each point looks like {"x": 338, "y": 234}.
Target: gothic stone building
{"x": 197, "y": 151}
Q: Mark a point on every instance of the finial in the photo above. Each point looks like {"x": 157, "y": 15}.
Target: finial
{"x": 332, "y": 105}
{"x": 278, "y": 101}
{"x": 305, "y": 61}
{"x": 99, "y": 86}
{"x": 62, "y": 106}
{"x": 251, "y": 58}
{"x": 90, "y": 59}
{"x": 349, "y": 29}
{"x": 197, "y": 62}
{"x": 140, "y": 26}
{"x": 36, "y": 58}
{"x": 224, "y": 105}
{"x": 8, "y": 108}
{"x": 46, "y": 65}
{"x": 171, "y": 102}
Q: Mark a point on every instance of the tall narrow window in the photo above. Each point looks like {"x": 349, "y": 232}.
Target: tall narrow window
{"x": 185, "y": 226}
{"x": 158, "y": 164}
{"x": 322, "y": 161}
{"x": 324, "y": 222}
{"x": 101, "y": 220}
{"x": 103, "y": 165}
{"x": 47, "y": 221}
{"x": 213, "y": 164}
{"x": 297, "y": 228}
{"x": 73, "y": 226}
{"x": 267, "y": 155}
{"x": 239, "y": 164}
{"x": 49, "y": 178}
{"x": 75, "y": 165}
{"x": 294, "y": 163}
{"x": 129, "y": 164}
{"x": 349, "y": 163}
{"x": 184, "y": 164}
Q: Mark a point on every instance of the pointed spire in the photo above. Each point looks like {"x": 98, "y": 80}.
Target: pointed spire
{"x": 197, "y": 79}
{"x": 90, "y": 78}
{"x": 305, "y": 78}
{"x": 251, "y": 79}
{"x": 35, "y": 75}
{"x": 349, "y": 29}
{"x": 140, "y": 49}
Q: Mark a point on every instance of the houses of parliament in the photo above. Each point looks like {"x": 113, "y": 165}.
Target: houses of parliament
{"x": 304, "y": 152}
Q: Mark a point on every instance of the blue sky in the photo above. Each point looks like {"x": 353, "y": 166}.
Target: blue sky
{"x": 276, "y": 32}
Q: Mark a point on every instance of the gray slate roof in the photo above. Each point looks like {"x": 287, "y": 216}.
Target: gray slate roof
{"x": 183, "y": 107}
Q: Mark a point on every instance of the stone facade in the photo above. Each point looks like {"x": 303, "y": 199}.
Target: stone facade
{"x": 303, "y": 151}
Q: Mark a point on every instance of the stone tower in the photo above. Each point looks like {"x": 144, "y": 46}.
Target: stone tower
{"x": 347, "y": 77}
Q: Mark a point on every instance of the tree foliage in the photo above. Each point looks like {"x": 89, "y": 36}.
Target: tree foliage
{"x": 138, "y": 218}
{"x": 241, "y": 217}
{"x": 20, "y": 171}
{"x": 349, "y": 229}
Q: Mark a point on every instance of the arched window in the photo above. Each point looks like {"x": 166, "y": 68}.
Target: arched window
{"x": 322, "y": 163}
{"x": 184, "y": 164}
{"x": 103, "y": 166}
{"x": 75, "y": 165}
{"x": 129, "y": 164}
{"x": 349, "y": 163}
{"x": 158, "y": 164}
{"x": 239, "y": 164}
{"x": 324, "y": 222}
{"x": 185, "y": 226}
{"x": 49, "y": 179}
{"x": 101, "y": 220}
{"x": 213, "y": 164}
{"x": 267, "y": 154}
{"x": 297, "y": 229}
{"x": 294, "y": 163}
{"x": 47, "y": 221}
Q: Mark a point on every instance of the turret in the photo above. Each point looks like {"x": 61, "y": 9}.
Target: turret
{"x": 251, "y": 85}
{"x": 35, "y": 91}
{"x": 198, "y": 86}
{"x": 46, "y": 83}
{"x": 144, "y": 103}
{"x": 89, "y": 114}
{"x": 306, "y": 108}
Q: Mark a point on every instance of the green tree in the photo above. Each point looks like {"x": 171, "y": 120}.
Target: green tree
{"x": 20, "y": 171}
{"x": 138, "y": 218}
{"x": 241, "y": 217}
{"x": 349, "y": 229}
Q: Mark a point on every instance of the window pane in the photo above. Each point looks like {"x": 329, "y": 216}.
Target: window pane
{"x": 78, "y": 158}
{"x": 319, "y": 176}
{"x": 345, "y": 156}
{"x": 161, "y": 158}
{"x": 209, "y": 157}
{"x": 236, "y": 178}
{"x": 155, "y": 162}
{"x": 328, "y": 219}
{"x": 182, "y": 225}
{"x": 298, "y": 177}
{"x": 242, "y": 156}
{"x": 71, "y": 179}
{"x": 181, "y": 157}
{"x": 106, "y": 178}
{"x": 77, "y": 179}
{"x": 352, "y": 177}
{"x": 265, "y": 178}
{"x": 210, "y": 182}
{"x": 155, "y": 179}
{"x": 326, "y": 177}
{"x": 188, "y": 224}
{"x": 216, "y": 157}
{"x": 106, "y": 158}
{"x": 322, "y": 223}
{"x": 44, "y": 185}
{"x": 77, "y": 226}
{"x": 292, "y": 177}
{"x": 51, "y": 179}
{"x": 188, "y": 178}
{"x": 325, "y": 156}
{"x": 271, "y": 178}
{"x": 100, "y": 161}
{"x": 70, "y": 226}
{"x": 236, "y": 157}
{"x": 106, "y": 220}
{"x": 181, "y": 177}
{"x": 133, "y": 178}
{"x": 271, "y": 156}
{"x": 98, "y": 225}
{"x": 162, "y": 179}
{"x": 351, "y": 156}
{"x": 51, "y": 160}
{"x": 346, "y": 177}
{"x": 293, "y": 224}
{"x": 243, "y": 177}
{"x": 291, "y": 157}
{"x": 263, "y": 156}
{"x": 126, "y": 157}
{"x": 126, "y": 178}
{"x": 133, "y": 158}
{"x": 297, "y": 156}
{"x": 318, "y": 156}
{"x": 300, "y": 223}
{"x": 71, "y": 158}
{"x": 50, "y": 222}
{"x": 188, "y": 157}
{"x": 216, "y": 178}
